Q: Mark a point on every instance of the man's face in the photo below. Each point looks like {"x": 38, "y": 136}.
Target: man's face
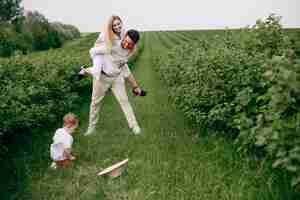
{"x": 127, "y": 43}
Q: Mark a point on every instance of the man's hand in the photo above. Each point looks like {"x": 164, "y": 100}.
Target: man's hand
{"x": 139, "y": 92}
{"x": 136, "y": 90}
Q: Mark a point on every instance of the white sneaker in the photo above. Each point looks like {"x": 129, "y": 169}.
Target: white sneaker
{"x": 53, "y": 165}
{"x": 136, "y": 130}
{"x": 82, "y": 70}
{"x": 90, "y": 131}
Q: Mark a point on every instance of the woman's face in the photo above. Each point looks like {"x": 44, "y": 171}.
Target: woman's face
{"x": 117, "y": 26}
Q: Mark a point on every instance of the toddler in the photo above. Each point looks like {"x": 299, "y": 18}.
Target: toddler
{"x": 60, "y": 149}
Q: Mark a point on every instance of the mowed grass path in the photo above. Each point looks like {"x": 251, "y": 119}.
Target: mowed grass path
{"x": 170, "y": 160}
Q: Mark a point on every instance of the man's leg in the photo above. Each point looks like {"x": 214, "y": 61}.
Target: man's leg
{"x": 99, "y": 89}
{"x": 119, "y": 91}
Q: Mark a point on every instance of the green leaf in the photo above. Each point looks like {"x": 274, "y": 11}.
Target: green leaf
{"x": 295, "y": 181}
{"x": 260, "y": 141}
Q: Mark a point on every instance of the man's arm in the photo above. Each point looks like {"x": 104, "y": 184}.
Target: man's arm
{"x": 126, "y": 73}
{"x": 135, "y": 86}
{"x": 132, "y": 81}
{"x": 136, "y": 89}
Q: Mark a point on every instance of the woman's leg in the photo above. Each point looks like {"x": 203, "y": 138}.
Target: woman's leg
{"x": 98, "y": 62}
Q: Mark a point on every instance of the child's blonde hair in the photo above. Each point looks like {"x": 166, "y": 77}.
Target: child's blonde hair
{"x": 70, "y": 119}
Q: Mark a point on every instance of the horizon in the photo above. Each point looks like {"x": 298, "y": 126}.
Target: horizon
{"x": 212, "y": 29}
{"x": 169, "y": 15}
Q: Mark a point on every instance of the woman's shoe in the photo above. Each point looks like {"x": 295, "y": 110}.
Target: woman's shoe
{"x": 82, "y": 70}
{"x": 81, "y": 73}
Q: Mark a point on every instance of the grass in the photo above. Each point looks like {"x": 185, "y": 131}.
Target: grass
{"x": 84, "y": 34}
{"x": 170, "y": 160}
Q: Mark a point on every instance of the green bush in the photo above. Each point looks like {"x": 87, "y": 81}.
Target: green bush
{"x": 11, "y": 41}
{"x": 275, "y": 124}
{"x": 266, "y": 37}
{"x": 7, "y": 41}
{"x": 207, "y": 77}
{"x": 36, "y": 90}
{"x": 245, "y": 84}
{"x": 54, "y": 40}
{"x": 65, "y": 32}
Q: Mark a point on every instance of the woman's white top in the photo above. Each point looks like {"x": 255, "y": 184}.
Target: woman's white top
{"x": 113, "y": 62}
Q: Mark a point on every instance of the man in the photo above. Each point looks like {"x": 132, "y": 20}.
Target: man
{"x": 114, "y": 71}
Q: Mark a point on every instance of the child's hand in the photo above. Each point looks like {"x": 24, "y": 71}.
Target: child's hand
{"x": 72, "y": 157}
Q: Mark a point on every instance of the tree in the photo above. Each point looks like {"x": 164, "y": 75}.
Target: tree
{"x": 10, "y": 10}
{"x": 39, "y": 28}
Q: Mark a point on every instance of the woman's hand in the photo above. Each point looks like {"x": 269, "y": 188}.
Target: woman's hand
{"x": 72, "y": 157}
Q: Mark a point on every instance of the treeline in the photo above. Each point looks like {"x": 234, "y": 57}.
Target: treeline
{"x": 23, "y": 32}
{"x": 245, "y": 84}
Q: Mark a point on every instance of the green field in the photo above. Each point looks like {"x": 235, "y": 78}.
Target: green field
{"x": 172, "y": 159}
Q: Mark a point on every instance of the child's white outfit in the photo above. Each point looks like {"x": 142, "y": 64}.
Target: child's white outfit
{"x": 62, "y": 140}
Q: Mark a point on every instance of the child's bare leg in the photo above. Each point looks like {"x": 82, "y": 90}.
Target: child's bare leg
{"x": 64, "y": 163}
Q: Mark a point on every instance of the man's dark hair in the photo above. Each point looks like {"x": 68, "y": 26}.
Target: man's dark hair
{"x": 134, "y": 35}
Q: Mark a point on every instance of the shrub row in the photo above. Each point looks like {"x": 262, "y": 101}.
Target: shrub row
{"x": 246, "y": 84}
{"x": 37, "y": 89}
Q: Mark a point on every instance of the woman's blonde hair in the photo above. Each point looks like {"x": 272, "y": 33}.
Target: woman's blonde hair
{"x": 109, "y": 34}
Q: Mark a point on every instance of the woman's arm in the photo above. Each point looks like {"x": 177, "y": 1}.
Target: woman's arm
{"x": 100, "y": 46}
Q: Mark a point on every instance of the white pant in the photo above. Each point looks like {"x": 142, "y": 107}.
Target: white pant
{"x": 100, "y": 86}
{"x": 98, "y": 62}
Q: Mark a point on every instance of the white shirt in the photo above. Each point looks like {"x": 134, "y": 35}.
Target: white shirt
{"x": 61, "y": 140}
{"x": 112, "y": 63}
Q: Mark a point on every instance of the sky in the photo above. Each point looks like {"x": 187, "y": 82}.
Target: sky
{"x": 145, "y": 15}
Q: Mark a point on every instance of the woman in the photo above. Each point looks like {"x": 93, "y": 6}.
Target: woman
{"x": 103, "y": 45}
